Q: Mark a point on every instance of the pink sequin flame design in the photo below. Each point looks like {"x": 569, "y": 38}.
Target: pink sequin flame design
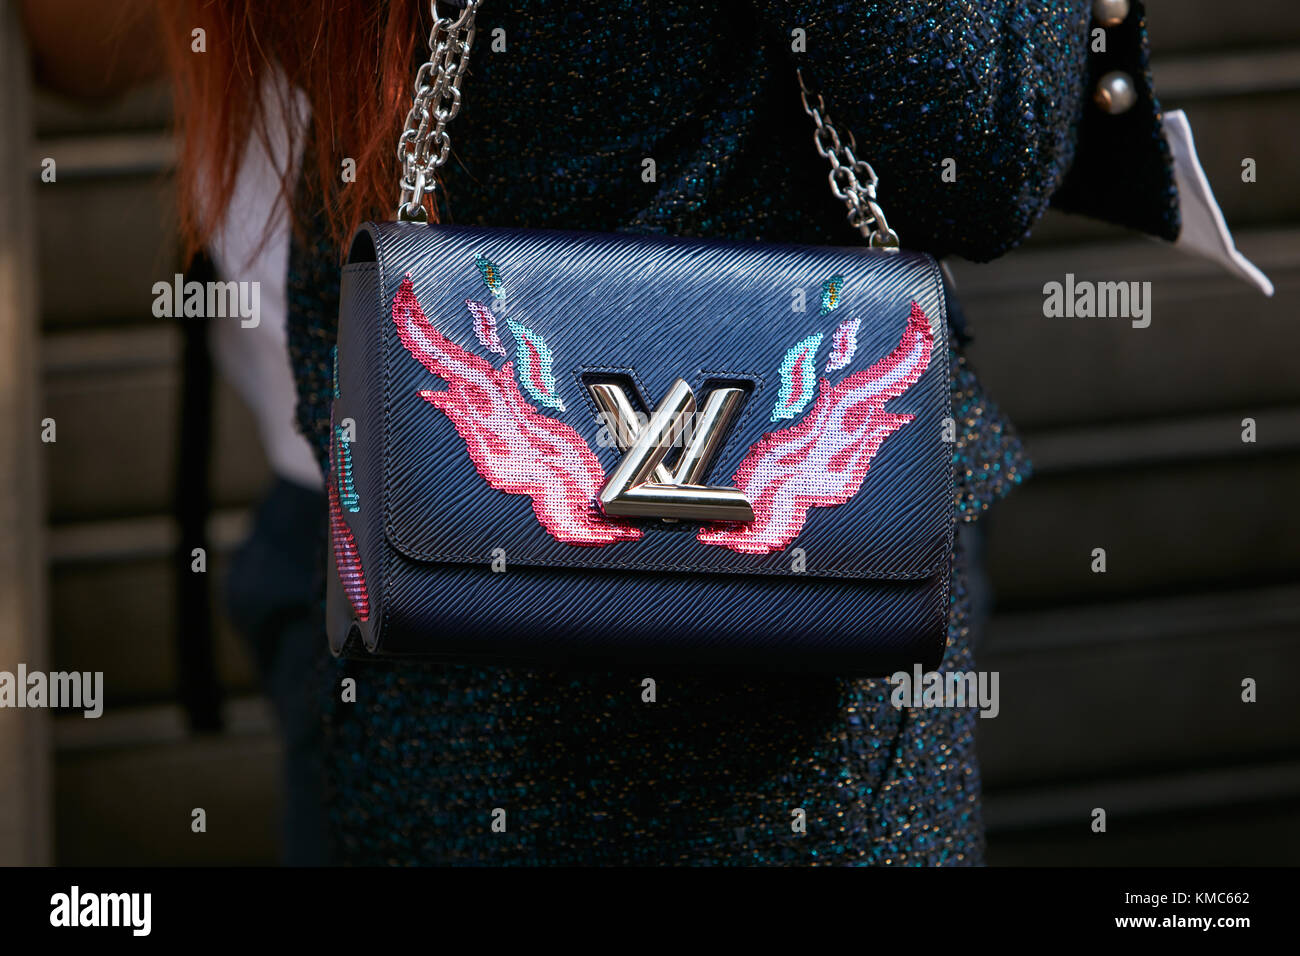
{"x": 515, "y": 449}
{"x": 346, "y": 558}
{"x": 823, "y": 460}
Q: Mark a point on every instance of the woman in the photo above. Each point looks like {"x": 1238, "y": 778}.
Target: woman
{"x": 975, "y": 113}
{"x": 560, "y": 109}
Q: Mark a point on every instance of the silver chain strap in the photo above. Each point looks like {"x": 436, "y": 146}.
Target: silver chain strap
{"x": 425, "y": 145}
{"x": 852, "y": 180}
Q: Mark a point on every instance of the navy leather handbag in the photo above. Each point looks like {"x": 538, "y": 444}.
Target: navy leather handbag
{"x": 556, "y": 447}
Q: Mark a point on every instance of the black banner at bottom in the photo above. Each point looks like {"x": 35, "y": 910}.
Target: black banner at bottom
{"x": 484, "y": 907}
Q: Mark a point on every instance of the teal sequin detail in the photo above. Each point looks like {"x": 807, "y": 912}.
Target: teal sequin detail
{"x": 798, "y": 378}
{"x": 348, "y": 496}
{"x": 831, "y": 290}
{"x": 491, "y": 277}
{"x": 534, "y": 361}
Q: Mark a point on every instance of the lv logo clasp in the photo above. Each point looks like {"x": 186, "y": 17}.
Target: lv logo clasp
{"x": 643, "y": 484}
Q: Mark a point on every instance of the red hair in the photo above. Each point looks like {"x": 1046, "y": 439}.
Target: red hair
{"x": 354, "y": 60}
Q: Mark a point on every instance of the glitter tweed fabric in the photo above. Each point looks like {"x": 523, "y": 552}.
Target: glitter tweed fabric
{"x": 554, "y": 133}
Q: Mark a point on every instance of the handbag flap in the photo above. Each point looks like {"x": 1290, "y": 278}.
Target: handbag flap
{"x": 494, "y": 447}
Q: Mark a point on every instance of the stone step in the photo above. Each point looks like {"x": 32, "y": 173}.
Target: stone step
{"x": 126, "y": 785}
{"x": 114, "y": 395}
{"x": 1096, "y": 693}
{"x": 113, "y": 607}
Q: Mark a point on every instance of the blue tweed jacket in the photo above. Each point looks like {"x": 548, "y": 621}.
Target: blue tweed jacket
{"x": 560, "y": 115}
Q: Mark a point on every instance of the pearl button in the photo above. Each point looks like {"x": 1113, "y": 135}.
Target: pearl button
{"x": 1115, "y": 93}
{"x": 1110, "y": 13}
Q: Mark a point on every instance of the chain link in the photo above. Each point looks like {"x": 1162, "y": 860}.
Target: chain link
{"x": 424, "y": 144}
{"x": 852, "y": 180}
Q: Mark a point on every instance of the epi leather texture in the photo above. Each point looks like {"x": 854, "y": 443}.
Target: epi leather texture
{"x": 471, "y": 451}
